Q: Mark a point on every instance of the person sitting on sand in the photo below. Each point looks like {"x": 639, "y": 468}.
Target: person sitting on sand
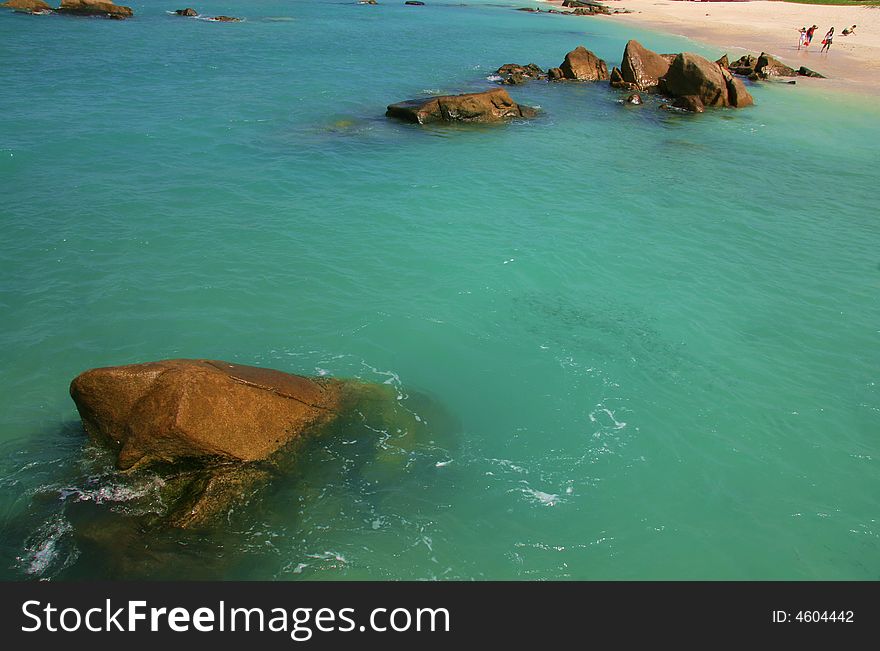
{"x": 810, "y": 32}
{"x": 826, "y": 42}
{"x": 849, "y": 30}
{"x": 802, "y": 37}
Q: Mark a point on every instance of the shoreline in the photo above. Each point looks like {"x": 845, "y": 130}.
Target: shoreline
{"x": 770, "y": 26}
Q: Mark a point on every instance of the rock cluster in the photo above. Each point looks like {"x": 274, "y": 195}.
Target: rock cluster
{"x": 766, "y": 66}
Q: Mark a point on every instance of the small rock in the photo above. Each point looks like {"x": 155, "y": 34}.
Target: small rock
{"x": 803, "y": 71}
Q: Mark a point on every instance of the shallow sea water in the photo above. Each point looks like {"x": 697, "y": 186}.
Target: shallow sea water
{"x": 645, "y": 344}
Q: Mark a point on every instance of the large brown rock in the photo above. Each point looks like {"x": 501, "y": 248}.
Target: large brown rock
{"x": 94, "y": 8}
{"x": 27, "y": 6}
{"x": 692, "y": 76}
{"x": 489, "y": 106}
{"x": 582, "y": 65}
{"x": 642, "y": 67}
{"x": 162, "y": 412}
{"x": 189, "y": 11}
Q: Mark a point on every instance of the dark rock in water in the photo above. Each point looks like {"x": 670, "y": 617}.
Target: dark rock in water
{"x": 416, "y": 3}
{"x": 737, "y": 94}
{"x": 94, "y": 8}
{"x": 582, "y": 65}
{"x": 616, "y": 81}
{"x": 803, "y": 71}
{"x": 226, "y": 19}
{"x": 635, "y": 99}
{"x": 489, "y": 106}
{"x": 367, "y": 2}
{"x": 691, "y": 103}
{"x": 724, "y": 62}
{"x": 643, "y": 68}
{"x": 28, "y": 6}
{"x": 690, "y": 75}
{"x": 744, "y": 66}
{"x": 769, "y": 66}
{"x": 189, "y": 11}
{"x": 530, "y": 10}
{"x": 555, "y": 74}
{"x": 514, "y": 74}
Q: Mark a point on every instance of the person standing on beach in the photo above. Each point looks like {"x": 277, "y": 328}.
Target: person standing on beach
{"x": 802, "y": 36}
{"x": 826, "y": 42}
{"x": 810, "y": 35}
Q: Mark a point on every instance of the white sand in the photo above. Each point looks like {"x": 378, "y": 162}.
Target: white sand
{"x": 740, "y": 27}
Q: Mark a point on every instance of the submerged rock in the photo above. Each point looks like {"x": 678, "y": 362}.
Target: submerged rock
{"x": 692, "y": 103}
{"x": 643, "y": 68}
{"x": 582, "y": 65}
{"x": 95, "y": 8}
{"x": 226, "y": 19}
{"x": 27, "y": 6}
{"x": 635, "y": 99}
{"x": 214, "y": 433}
{"x": 514, "y": 74}
{"x": 489, "y": 106}
{"x": 416, "y": 3}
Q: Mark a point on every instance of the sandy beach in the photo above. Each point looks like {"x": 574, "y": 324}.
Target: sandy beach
{"x": 753, "y": 27}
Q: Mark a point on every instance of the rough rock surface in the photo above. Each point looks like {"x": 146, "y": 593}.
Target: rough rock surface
{"x": 692, "y": 76}
{"x": 489, "y": 106}
{"x": 745, "y": 65}
{"x": 769, "y": 66}
{"x": 28, "y": 6}
{"x": 582, "y": 65}
{"x": 514, "y": 74}
{"x": 162, "y": 412}
{"x": 94, "y": 8}
{"x": 641, "y": 67}
{"x": 189, "y": 11}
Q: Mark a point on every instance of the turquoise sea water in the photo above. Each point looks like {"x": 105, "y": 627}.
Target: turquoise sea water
{"x": 646, "y": 344}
